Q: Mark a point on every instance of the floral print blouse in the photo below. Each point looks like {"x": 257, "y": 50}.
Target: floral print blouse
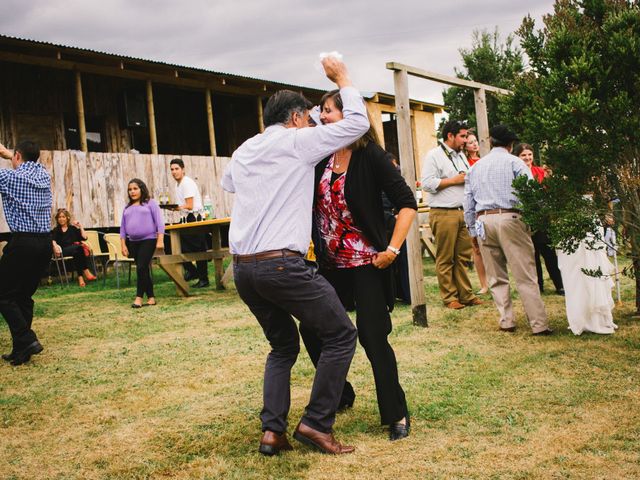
{"x": 346, "y": 246}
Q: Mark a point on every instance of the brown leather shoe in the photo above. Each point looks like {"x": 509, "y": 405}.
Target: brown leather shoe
{"x": 324, "y": 442}
{"x": 474, "y": 302}
{"x": 455, "y": 305}
{"x": 272, "y": 443}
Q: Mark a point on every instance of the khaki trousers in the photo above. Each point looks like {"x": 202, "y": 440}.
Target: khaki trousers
{"x": 453, "y": 254}
{"x": 508, "y": 241}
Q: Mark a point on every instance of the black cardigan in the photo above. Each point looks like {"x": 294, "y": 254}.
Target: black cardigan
{"x": 370, "y": 173}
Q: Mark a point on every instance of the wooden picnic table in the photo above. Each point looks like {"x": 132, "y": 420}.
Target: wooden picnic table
{"x": 172, "y": 264}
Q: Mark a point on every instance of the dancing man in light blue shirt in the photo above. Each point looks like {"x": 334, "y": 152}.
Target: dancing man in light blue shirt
{"x": 272, "y": 176}
{"x": 492, "y": 215}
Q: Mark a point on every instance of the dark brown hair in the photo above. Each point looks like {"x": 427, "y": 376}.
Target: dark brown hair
{"x": 521, "y": 147}
{"x": 370, "y": 136}
{"x": 144, "y": 191}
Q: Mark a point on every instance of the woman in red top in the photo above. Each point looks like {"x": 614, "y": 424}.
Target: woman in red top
{"x": 354, "y": 253}
{"x": 472, "y": 149}
{"x": 541, "y": 242}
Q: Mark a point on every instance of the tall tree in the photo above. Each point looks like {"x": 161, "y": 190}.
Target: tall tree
{"x": 580, "y": 102}
{"x": 489, "y": 61}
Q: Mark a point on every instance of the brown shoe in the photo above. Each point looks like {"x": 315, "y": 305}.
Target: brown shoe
{"x": 272, "y": 443}
{"x": 455, "y": 305}
{"x": 324, "y": 442}
{"x": 508, "y": 329}
{"x": 474, "y": 302}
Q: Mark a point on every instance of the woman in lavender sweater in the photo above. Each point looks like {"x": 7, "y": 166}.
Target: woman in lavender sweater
{"x": 142, "y": 225}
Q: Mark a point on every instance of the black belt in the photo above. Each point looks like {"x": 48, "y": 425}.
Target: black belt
{"x": 267, "y": 255}
{"x": 446, "y": 208}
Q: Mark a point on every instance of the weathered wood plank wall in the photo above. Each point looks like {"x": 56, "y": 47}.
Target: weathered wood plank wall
{"x": 93, "y": 186}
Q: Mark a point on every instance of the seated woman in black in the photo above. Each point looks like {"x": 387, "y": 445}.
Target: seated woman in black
{"x": 67, "y": 242}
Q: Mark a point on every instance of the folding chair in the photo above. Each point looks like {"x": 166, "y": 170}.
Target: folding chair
{"x": 116, "y": 257}
{"x": 93, "y": 240}
{"x": 60, "y": 260}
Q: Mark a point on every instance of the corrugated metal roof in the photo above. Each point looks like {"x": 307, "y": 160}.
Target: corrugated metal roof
{"x": 195, "y": 69}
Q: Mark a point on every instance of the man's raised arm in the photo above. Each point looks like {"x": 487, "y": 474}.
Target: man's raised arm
{"x": 314, "y": 144}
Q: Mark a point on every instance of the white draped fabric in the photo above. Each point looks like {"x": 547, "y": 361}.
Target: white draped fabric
{"x": 588, "y": 299}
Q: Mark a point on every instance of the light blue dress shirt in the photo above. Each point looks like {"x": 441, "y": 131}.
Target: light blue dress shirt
{"x": 272, "y": 176}
{"x": 488, "y": 185}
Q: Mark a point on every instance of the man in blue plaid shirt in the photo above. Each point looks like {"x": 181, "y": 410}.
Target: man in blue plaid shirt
{"x": 26, "y": 197}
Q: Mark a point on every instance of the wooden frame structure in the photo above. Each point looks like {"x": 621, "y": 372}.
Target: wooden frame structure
{"x": 401, "y": 74}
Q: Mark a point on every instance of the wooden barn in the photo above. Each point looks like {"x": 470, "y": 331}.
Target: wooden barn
{"x": 102, "y": 119}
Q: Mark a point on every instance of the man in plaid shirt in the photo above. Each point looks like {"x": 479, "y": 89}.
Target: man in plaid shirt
{"x": 26, "y": 197}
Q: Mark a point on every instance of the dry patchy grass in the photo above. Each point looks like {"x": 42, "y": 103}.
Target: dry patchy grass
{"x": 174, "y": 392}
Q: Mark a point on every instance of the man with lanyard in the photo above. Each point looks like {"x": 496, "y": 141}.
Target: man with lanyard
{"x": 495, "y": 223}
{"x": 271, "y": 176}
{"x": 443, "y": 172}
{"x": 190, "y": 201}
{"x": 26, "y": 197}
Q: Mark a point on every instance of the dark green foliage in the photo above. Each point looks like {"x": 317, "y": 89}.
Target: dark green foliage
{"x": 488, "y": 61}
{"x": 579, "y": 102}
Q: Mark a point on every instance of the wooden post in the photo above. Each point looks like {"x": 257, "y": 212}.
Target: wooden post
{"x": 407, "y": 164}
{"x": 153, "y": 139}
{"x": 479, "y": 96}
{"x": 82, "y": 128}
{"x": 212, "y": 132}
{"x": 260, "y": 115}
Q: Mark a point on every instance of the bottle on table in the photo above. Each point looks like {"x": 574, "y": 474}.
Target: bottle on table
{"x": 208, "y": 208}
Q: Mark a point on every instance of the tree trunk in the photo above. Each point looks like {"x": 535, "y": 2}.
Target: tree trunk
{"x": 636, "y": 269}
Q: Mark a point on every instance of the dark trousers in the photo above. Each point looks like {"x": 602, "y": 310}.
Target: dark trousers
{"x": 79, "y": 259}
{"x": 142, "y": 251}
{"x": 195, "y": 243}
{"x": 23, "y": 263}
{"x": 275, "y": 290}
{"x": 541, "y": 246}
{"x": 363, "y": 287}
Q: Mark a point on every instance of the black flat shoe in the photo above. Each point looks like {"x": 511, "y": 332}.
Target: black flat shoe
{"x": 190, "y": 276}
{"x": 201, "y": 284}
{"x": 23, "y": 356}
{"x": 7, "y": 357}
{"x": 345, "y": 404}
{"x": 135, "y": 305}
{"x": 398, "y": 431}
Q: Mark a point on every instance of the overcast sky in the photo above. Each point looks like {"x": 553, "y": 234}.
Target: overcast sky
{"x": 276, "y": 40}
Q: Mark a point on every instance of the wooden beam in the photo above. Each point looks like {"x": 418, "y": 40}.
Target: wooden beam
{"x": 438, "y": 77}
{"x": 82, "y": 128}
{"x": 482, "y": 120}
{"x": 407, "y": 164}
{"x": 212, "y": 132}
{"x": 153, "y": 139}
{"x": 115, "y": 71}
{"x": 260, "y": 114}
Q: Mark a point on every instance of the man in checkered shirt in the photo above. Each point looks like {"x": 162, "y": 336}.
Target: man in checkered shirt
{"x": 26, "y": 197}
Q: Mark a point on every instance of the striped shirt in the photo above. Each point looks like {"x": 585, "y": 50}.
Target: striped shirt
{"x": 272, "y": 176}
{"x": 488, "y": 185}
{"x": 26, "y": 197}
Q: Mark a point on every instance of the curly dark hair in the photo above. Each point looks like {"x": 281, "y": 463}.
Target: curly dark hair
{"x": 144, "y": 191}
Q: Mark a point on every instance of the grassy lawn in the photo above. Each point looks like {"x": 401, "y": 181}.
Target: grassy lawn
{"x": 174, "y": 391}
